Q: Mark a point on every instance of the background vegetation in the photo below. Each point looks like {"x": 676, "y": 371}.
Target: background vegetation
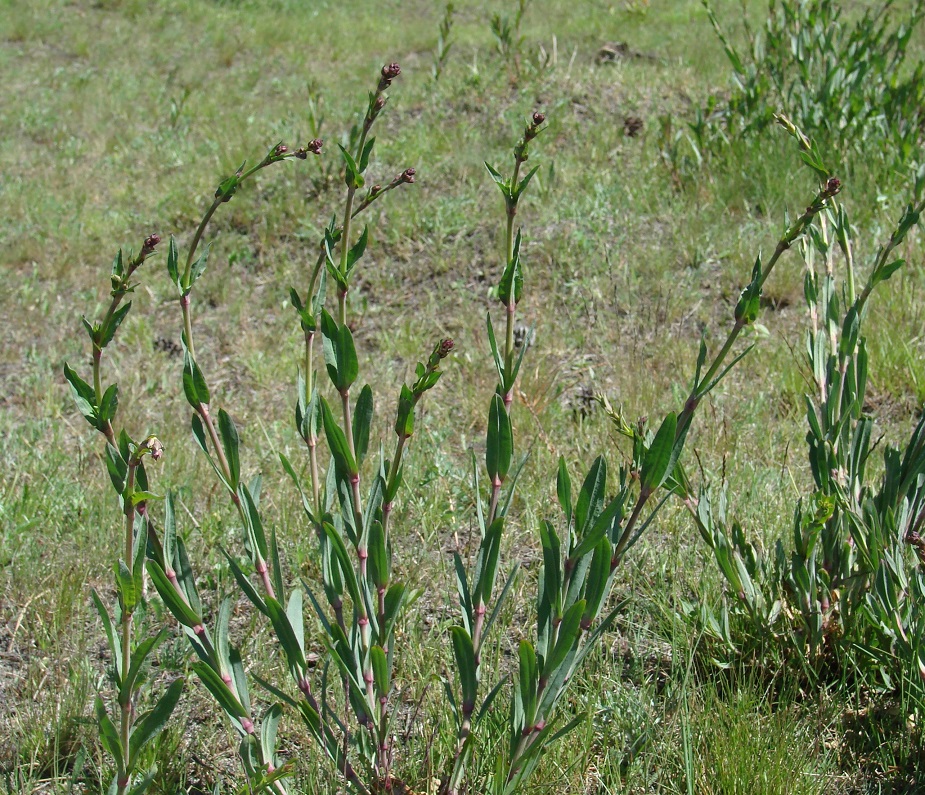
{"x": 119, "y": 119}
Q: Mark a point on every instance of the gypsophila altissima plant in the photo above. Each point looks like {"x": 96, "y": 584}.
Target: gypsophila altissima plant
{"x": 126, "y": 738}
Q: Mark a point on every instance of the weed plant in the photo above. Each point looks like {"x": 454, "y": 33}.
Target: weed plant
{"x": 845, "y": 603}
{"x": 348, "y": 699}
{"x": 848, "y": 81}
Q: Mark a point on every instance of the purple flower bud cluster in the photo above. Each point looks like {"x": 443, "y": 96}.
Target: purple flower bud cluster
{"x": 312, "y": 147}
{"x": 389, "y": 73}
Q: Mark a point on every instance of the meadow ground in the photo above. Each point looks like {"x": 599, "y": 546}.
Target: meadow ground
{"x": 120, "y": 118}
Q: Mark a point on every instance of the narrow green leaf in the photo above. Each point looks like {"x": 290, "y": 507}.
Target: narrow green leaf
{"x": 591, "y": 498}
{"x": 173, "y": 260}
{"x": 245, "y": 584}
{"x": 495, "y": 352}
{"x": 151, "y": 723}
{"x": 83, "y": 395}
{"x": 337, "y": 441}
{"x": 111, "y": 637}
{"x": 569, "y": 631}
{"x": 268, "y": 728}
{"x": 464, "y": 655}
{"x": 499, "y": 441}
{"x": 380, "y": 666}
{"x": 378, "y": 560}
{"x": 286, "y": 636}
{"x": 220, "y": 691}
{"x": 230, "y": 442}
{"x": 114, "y": 322}
{"x": 362, "y": 422}
{"x": 175, "y": 604}
{"x": 128, "y": 597}
{"x": 564, "y": 491}
{"x": 658, "y": 461}
{"x": 109, "y": 736}
{"x": 357, "y": 249}
{"x": 296, "y": 617}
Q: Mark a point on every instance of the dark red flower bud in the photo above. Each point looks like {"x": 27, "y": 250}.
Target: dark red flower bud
{"x": 408, "y": 175}
{"x": 379, "y": 104}
{"x": 833, "y": 186}
{"x": 280, "y": 150}
{"x": 538, "y": 119}
{"x": 375, "y": 189}
{"x": 391, "y": 71}
{"x": 151, "y": 242}
{"x": 446, "y": 348}
{"x": 313, "y": 146}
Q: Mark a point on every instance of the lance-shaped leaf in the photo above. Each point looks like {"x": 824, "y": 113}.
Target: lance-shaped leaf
{"x": 522, "y": 185}
{"x": 404, "y": 418}
{"x": 495, "y": 352}
{"x": 229, "y": 436}
{"x": 137, "y": 660}
{"x": 115, "y": 320}
{"x": 340, "y": 354}
{"x": 396, "y": 599}
{"x": 109, "y": 736}
{"x": 500, "y": 180}
{"x": 378, "y": 561}
{"x": 117, "y": 468}
{"x": 486, "y": 566}
{"x": 564, "y": 491}
{"x": 174, "y": 602}
{"x": 111, "y": 637}
{"x": 499, "y": 602}
{"x": 661, "y": 456}
{"x": 511, "y": 285}
{"x": 591, "y": 498}
{"x": 464, "y": 654}
{"x": 245, "y": 584}
{"x": 254, "y": 523}
{"x": 199, "y": 434}
{"x": 528, "y": 683}
{"x": 221, "y": 693}
{"x": 357, "y": 249}
{"x": 108, "y": 404}
{"x": 125, "y": 582}
{"x": 83, "y": 395}
{"x": 465, "y": 595}
{"x": 173, "y": 263}
{"x": 380, "y": 665}
{"x": 194, "y": 383}
{"x": 198, "y": 268}
{"x": 569, "y": 631}
{"x": 749, "y": 305}
{"x": 268, "y": 729}
{"x": 337, "y": 441}
{"x": 499, "y": 440}
{"x": 339, "y": 550}
{"x": 601, "y": 527}
{"x": 364, "y": 155}
{"x": 151, "y": 723}
{"x": 287, "y": 637}
{"x": 597, "y": 581}
{"x": 362, "y": 421}
{"x": 353, "y": 177}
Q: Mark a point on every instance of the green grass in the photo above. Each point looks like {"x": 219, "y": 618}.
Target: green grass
{"x": 119, "y": 120}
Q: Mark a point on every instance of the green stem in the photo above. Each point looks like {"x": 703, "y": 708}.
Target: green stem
{"x": 129, "y": 555}
{"x": 512, "y": 305}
